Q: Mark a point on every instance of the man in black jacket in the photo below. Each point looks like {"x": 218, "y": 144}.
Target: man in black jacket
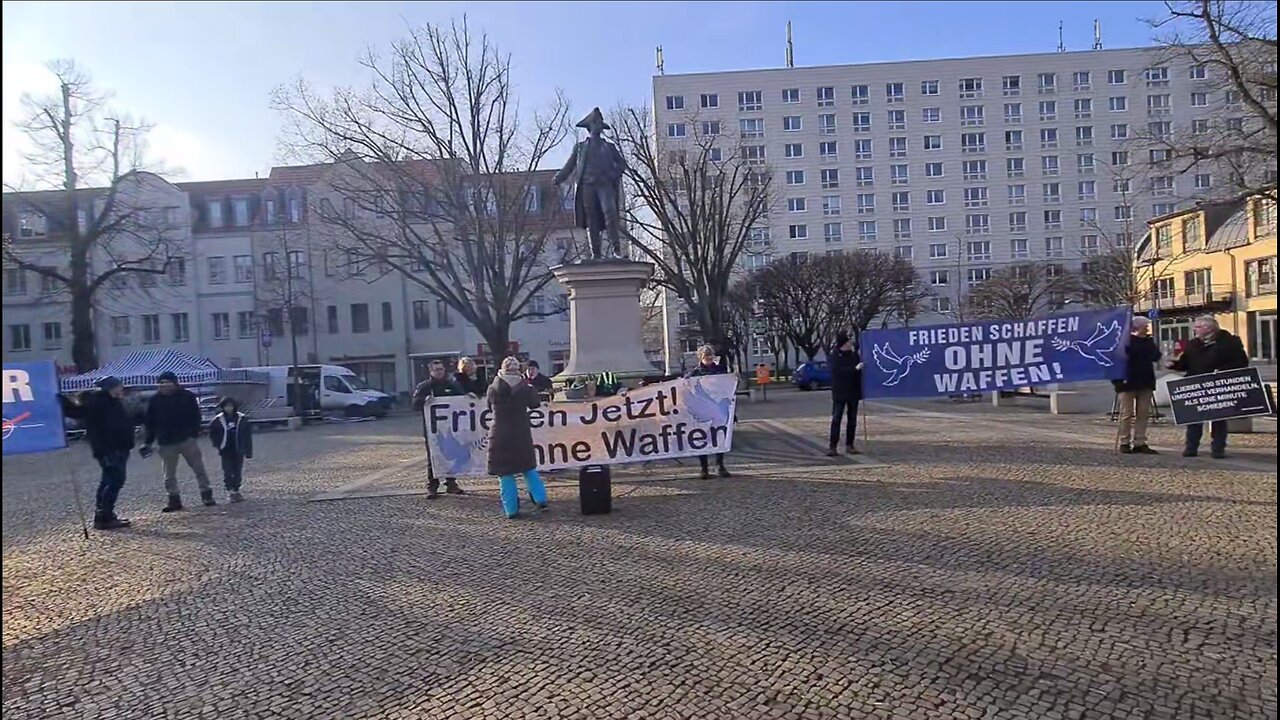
{"x": 1211, "y": 350}
{"x": 109, "y": 428}
{"x": 437, "y": 384}
{"x": 173, "y": 419}
{"x": 1136, "y": 390}
{"x": 707, "y": 365}
{"x": 846, "y": 392}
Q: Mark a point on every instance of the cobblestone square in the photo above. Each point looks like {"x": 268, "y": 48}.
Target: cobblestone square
{"x": 974, "y": 564}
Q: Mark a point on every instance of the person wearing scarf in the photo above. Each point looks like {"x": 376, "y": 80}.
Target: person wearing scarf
{"x": 511, "y": 451}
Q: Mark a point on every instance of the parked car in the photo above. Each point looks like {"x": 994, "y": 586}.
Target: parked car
{"x": 810, "y": 375}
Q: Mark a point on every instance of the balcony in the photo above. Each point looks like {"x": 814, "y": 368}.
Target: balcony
{"x": 1215, "y": 298}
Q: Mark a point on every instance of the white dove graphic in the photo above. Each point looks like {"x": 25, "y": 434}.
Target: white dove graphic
{"x": 1097, "y": 348}
{"x": 897, "y": 367}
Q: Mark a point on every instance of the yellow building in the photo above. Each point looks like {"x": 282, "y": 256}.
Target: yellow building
{"x": 1214, "y": 259}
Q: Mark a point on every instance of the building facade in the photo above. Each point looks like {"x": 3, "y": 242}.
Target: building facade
{"x": 959, "y": 165}
{"x": 251, "y": 251}
{"x": 1215, "y": 259}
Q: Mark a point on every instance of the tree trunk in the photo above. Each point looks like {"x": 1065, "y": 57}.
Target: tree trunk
{"x": 84, "y": 345}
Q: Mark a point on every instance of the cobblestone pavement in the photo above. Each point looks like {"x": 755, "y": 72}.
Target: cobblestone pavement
{"x": 976, "y": 564}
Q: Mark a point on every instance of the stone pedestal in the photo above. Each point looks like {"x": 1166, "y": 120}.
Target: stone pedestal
{"x": 605, "y": 322}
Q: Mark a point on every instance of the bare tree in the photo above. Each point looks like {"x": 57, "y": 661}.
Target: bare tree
{"x": 1023, "y": 291}
{"x": 437, "y": 174}
{"x": 794, "y": 295}
{"x": 692, "y": 208}
{"x": 87, "y": 197}
{"x": 285, "y": 296}
{"x": 1235, "y": 43}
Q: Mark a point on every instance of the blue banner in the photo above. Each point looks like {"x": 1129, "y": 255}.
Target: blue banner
{"x": 994, "y": 354}
{"x": 32, "y": 415}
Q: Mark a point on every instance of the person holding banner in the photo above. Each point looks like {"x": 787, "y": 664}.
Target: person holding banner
{"x": 1211, "y": 350}
{"x": 846, "y": 392}
{"x": 467, "y": 379}
{"x": 109, "y": 428}
{"x": 1136, "y": 390}
{"x": 707, "y": 365}
{"x": 511, "y": 451}
{"x": 437, "y": 384}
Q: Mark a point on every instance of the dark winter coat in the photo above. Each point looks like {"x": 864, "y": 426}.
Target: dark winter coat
{"x": 1225, "y": 352}
{"x": 242, "y": 440}
{"x": 846, "y": 378}
{"x": 107, "y": 424}
{"x": 541, "y": 384}
{"x": 471, "y": 385}
{"x": 173, "y": 419}
{"x": 429, "y": 388}
{"x": 702, "y": 370}
{"x": 510, "y": 437}
{"x": 1140, "y": 371}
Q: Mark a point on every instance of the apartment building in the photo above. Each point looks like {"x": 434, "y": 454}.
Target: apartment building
{"x": 249, "y": 249}
{"x": 959, "y": 165}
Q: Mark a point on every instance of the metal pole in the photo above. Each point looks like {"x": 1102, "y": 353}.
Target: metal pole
{"x": 75, "y": 490}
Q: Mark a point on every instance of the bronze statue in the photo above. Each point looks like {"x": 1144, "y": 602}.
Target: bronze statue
{"x": 596, "y": 168}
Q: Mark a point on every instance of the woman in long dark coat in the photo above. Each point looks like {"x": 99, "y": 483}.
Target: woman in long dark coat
{"x": 511, "y": 439}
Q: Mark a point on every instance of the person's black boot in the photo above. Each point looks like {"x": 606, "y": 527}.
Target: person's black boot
{"x": 433, "y": 490}
{"x": 706, "y": 473}
{"x": 832, "y": 452}
{"x": 1144, "y": 450}
{"x": 175, "y": 504}
{"x": 1218, "y": 453}
{"x": 451, "y": 487}
{"x": 851, "y": 450}
{"x": 110, "y": 523}
{"x": 206, "y": 497}
{"x": 723, "y": 471}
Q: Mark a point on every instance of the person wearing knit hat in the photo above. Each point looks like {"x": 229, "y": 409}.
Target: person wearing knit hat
{"x": 109, "y": 429}
{"x": 846, "y": 392}
{"x": 511, "y": 451}
{"x": 174, "y": 420}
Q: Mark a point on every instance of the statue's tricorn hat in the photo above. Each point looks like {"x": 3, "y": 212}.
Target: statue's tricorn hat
{"x": 595, "y": 116}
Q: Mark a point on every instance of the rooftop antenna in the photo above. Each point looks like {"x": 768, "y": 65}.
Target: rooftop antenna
{"x": 1097, "y": 34}
{"x": 1062, "y": 46}
{"x": 791, "y": 53}
{"x": 661, "y": 66}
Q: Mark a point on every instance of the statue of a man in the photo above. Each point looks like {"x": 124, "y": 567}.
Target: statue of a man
{"x": 596, "y": 168}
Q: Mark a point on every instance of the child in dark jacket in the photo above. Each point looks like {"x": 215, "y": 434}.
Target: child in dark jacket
{"x": 232, "y": 436}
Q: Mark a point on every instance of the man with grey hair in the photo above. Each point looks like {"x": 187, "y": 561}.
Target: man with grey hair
{"x": 1211, "y": 350}
{"x": 1136, "y": 390}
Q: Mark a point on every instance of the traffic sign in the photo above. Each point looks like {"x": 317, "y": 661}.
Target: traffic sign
{"x": 1153, "y": 313}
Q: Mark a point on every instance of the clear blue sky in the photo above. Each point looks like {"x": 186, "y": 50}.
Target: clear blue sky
{"x": 203, "y": 72}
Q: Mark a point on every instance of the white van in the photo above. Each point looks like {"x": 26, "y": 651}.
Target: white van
{"x": 337, "y": 389}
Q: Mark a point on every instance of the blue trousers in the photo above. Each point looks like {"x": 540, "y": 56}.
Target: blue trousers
{"x": 1217, "y": 436}
{"x": 113, "y": 466}
{"x": 511, "y": 495}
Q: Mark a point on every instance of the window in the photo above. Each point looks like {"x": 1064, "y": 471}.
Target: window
{"x": 20, "y": 339}
{"x": 1015, "y": 167}
{"x": 830, "y": 178}
{"x": 901, "y": 201}
{"x": 709, "y": 100}
{"x": 1084, "y": 136}
{"x": 938, "y": 251}
{"x": 904, "y": 252}
{"x": 121, "y": 333}
{"x": 1204, "y": 181}
{"x": 1157, "y": 76}
{"x": 861, "y": 94}
{"x": 897, "y": 119}
{"x": 675, "y": 102}
{"x": 931, "y": 115}
{"x": 240, "y": 212}
{"x": 1053, "y": 247}
{"x": 793, "y": 150}
{"x": 1011, "y": 85}
{"x": 975, "y": 169}
{"x": 751, "y": 128}
{"x": 1049, "y": 165}
{"x": 1119, "y": 158}
{"x": 1089, "y": 244}
{"x": 714, "y": 155}
{"x": 831, "y": 205}
{"x": 791, "y": 96}
{"x": 798, "y": 232}
{"x": 977, "y": 224}
{"x": 795, "y": 177}
{"x": 977, "y": 276}
{"x": 935, "y": 197}
{"x": 1019, "y": 249}
{"x": 1232, "y": 97}
{"x": 929, "y": 87}
{"x": 1018, "y": 221}
{"x": 1048, "y": 82}
{"x": 15, "y": 282}
{"x": 861, "y": 122}
{"x": 1235, "y": 123}
{"x": 443, "y": 319}
{"x": 1012, "y": 140}
{"x": 1199, "y": 126}
{"x": 1158, "y": 105}
{"x": 1123, "y": 212}
{"x": 221, "y": 326}
{"x": 790, "y": 123}
{"x": 1017, "y": 194}
{"x": 753, "y": 154}
{"x": 295, "y": 262}
{"x": 971, "y": 116}
{"x": 867, "y": 231}
{"x": 387, "y": 317}
{"x": 52, "y": 335}
{"x": 1199, "y": 99}
{"x": 932, "y": 142}
{"x": 797, "y": 205}
{"x": 1048, "y": 138}
{"x": 421, "y": 314}
{"x": 1163, "y": 289}
{"x": 181, "y": 329}
{"x": 359, "y": 318}
{"x": 1198, "y": 72}
{"x": 826, "y": 97}
{"x": 150, "y": 329}
{"x": 1120, "y": 185}
{"x": 832, "y": 232}
{"x": 1085, "y": 163}
{"x": 975, "y": 197}
{"x": 295, "y": 209}
{"x": 970, "y": 88}
{"x": 1162, "y": 185}
{"x": 865, "y": 176}
{"x": 829, "y": 150}
{"x": 1161, "y": 129}
{"x": 331, "y": 316}
{"x": 676, "y": 130}
{"x": 213, "y": 211}
{"x": 866, "y": 203}
{"x": 899, "y": 175}
{"x": 243, "y": 268}
{"x": 1081, "y": 80}
{"x": 217, "y": 270}
{"x": 1197, "y": 281}
{"x": 973, "y": 142}
{"x": 270, "y": 265}
{"x": 1053, "y": 219}
{"x": 937, "y": 223}
{"x": 750, "y": 100}
{"x": 902, "y": 229}
{"x": 1260, "y": 277}
{"x": 1013, "y": 113}
{"x": 244, "y": 324}
{"x": 1088, "y": 217}
{"x": 710, "y": 128}
{"x": 1115, "y": 77}
{"x": 933, "y": 169}
{"x": 894, "y": 92}
{"x": 1120, "y": 131}
{"x": 1048, "y": 110}
{"x": 827, "y": 124}
{"x": 32, "y": 224}
{"x": 1118, "y": 104}
{"x": 976, "y": 250}
{"x": 1159, "y": 156}
{"x": 1087, "y": 190}
{"x": 1083, "y": 108}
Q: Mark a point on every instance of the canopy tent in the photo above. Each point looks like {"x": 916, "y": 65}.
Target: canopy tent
{"x": 140, "y": 369}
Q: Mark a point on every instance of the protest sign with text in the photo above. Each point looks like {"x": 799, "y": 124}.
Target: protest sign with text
{"x": 32, "y": 415}
{"x": 1222, "y": 395}
{"x": 994, "y": 355}
{"x": 691, "y": 416}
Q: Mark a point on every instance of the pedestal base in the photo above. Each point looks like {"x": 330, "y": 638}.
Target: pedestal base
{"x": 605, "y": 322}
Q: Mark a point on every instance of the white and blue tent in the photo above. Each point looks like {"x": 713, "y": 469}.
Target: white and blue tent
{"x": 142, "y": 368}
